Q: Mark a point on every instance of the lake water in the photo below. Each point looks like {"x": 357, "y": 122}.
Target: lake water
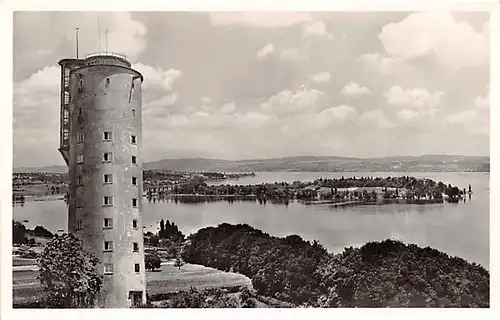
{"x": 459, "y": 229}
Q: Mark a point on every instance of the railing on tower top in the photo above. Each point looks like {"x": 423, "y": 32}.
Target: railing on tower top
{"x": 105, "y": 53}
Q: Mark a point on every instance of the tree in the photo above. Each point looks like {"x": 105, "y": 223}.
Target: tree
{"x": 162, "y": 227}
{"x": 178, "y": 262}
{"x": 152, "y": 262}
{"x": 68, "y": 273}
{"x": 18, "y": 232}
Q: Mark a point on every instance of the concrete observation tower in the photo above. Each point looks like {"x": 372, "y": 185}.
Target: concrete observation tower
{"x": 100, "y": 140}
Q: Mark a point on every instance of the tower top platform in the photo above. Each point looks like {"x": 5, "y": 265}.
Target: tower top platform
{"x": 97, "y": 58}
{"x": 106, "y": 57}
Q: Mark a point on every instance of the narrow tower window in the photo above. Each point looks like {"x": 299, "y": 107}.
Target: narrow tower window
{"x": 108, "y": 136}
{"x": 79, "y": 159}
{"x": 108, "y": 201}
{"x": 136, "y": 247}
{"x": 78, "y": 203}
{"x": 80, "y": 86}
{"x": 133, "y": 139}
{"x": 134, "y": 160}
{"x": 107, "y": 157}
{"x": 108, "y": 178}
{"x": 133, "y": 113}
{"x": 137, "y": 268}
{"x": 108, "y": 268}
{"x": 134, "y": 203}
{"x": 79, "y": 180}
{"x": 108, "y": 245}
{"x": 135, "y": 224}
{"x": 134, "y": 181}
{"x": 108, "y": 223}
{"x": 79, "y": 137}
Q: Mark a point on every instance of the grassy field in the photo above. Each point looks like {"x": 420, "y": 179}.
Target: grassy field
{"x": 22, "y": 262}
{"x": 168, "y": 279}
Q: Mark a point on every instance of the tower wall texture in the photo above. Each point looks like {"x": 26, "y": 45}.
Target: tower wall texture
{"x": 108, "y": 98}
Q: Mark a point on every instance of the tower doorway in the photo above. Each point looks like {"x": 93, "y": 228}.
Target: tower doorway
{"x": 136, "y": 298}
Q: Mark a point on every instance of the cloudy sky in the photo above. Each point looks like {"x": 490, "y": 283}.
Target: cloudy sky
{"x": 260, "y": 85}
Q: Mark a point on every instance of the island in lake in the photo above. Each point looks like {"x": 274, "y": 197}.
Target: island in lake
{"x": 338, "y": 192}
{"x": 191, "y": 187}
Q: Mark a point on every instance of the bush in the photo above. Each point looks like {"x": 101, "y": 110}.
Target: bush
{"x": 68, "y": 274}
{"x": 392, "y": 274}
{"x": 279, "y": 267}
{"x": 29, "y": 254}
{"x": 42, "y": 232}
{"x": 379, "y": 274}
{"x": 208, "y": 298}
{"x": 18, "y": 232}
{"x": 152, "y": 261}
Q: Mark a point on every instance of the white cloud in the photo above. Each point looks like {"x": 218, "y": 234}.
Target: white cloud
{"x": 384, "y": 65}
{"x": 157, "y": 77}
{"x": 289, "y": 101}
{"x": 463, "y": 117}
{"x": 265, "y": 51}
{"x": 376, "y": 118}
{"x": 416, "y": 97}
{"x": 407, "y": 114}
{"x": 316, "y": 28}
{"x": 206, "y": 100}
{"x": 228, "y": 107}
{"x": 319, "y": 121}
{"x": 454, "y": 44}
{"x": 341, "y": 112}
{"x": 483, "y": 102}
{"x": 321, "y": 77}
{"x": 292, "y": 54}
{"x": 126, "y": 35}
{"x": 159, "y": 104}
{"x": 157, "y": 85}
{"x": 44, "y": 81}
{"x": 57, "y": 30}
{"x": 201, "y": 121}
{"x": 352, "y": 88}
{"x": 260, "y": 19}
{"x": 36, "y": 111}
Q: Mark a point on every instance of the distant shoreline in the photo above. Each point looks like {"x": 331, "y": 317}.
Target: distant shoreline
{"x": 423, "y": 163}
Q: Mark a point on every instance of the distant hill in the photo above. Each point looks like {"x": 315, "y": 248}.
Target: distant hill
{"x": 50, "y": 169}
{"x": 424, "y": 163}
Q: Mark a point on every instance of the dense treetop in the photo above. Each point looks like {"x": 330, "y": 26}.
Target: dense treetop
{"x": 383, "y": 274}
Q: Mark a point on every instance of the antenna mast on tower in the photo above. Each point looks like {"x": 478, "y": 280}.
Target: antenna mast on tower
{"x": 106, "y": 33}
{"x": 98, "y": 33}
{"x": 77, "y": 42}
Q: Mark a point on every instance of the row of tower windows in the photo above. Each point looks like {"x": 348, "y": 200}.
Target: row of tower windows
{"x": 107, "y": 202}
{"x": 109, "y": 268}
{"x": 107, "y": 136}
{"x": 108, "y": 246}
{"x": 107, "y": 179}
{"x": 80, "y": 112}
{"x": 108, "y": 224}
{"x": 106, "y": 157}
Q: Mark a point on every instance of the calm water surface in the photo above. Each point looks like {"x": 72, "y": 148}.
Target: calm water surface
{"x": 458, "y": 229}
